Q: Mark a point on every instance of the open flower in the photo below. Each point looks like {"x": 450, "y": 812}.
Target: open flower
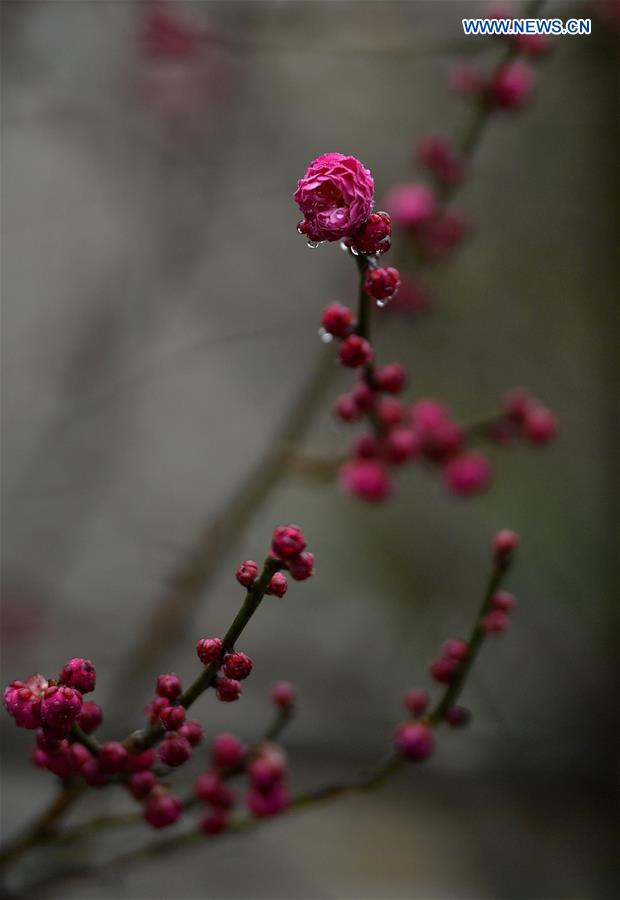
{"x": 335, "y": 196}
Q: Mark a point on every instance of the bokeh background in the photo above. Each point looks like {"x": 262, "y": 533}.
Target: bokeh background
{"x": 159, "y": 319}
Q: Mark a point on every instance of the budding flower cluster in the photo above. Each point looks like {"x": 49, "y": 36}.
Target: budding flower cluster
{"x": 427, "y": 432}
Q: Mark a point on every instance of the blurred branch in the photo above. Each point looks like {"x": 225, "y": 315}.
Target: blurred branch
{"x": 219, "y": 535}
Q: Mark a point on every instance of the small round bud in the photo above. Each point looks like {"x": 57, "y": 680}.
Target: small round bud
{"x": 382, "y": 283}
{"x": 288, "y": 541}
{"x": 227, "y": 689}
{"x": 390, "y": 411}
{"x": 516, "y": 403}
{"x": 457, "y": 716}
{"x": 210, "y": 650}
{"x": 90, "y": 717}
{"x": 402, "y": 444}
{"x": 246, "y": 573}
{"x": 154, "y": 708}
{"x": 416, "y": 701}
{"x": 495, "y": 622}
{"x": 278, "y": 585}
{"x": 169, "y": 686}
{"x": 414, "y": 740}
{"x": 435, "y": 152}
{"x": 443, "y": 670}
{"x": 174, "y": 750}
{"x": 284, "y": 694}
{"x": 262, "y": 804}
{"x": 192, "y": 731}
{"x": 391, "y": 378}
{"x": 503, "y": 601}
{"x": 40, "y": 758}
{"x": 209, "y": 788}
{"x": 237, "y": 665}
{"x": 266, "y": 771}
{"x": 302, "y": 567}
{"x": 504, "y": 545}
{"x": 112, "y": 757}
{"x": 375, "y": 236}
{"x": 540, "y": 426}
{"x": 467, "y": 474}
{"x": 511, "y": 86}
{"x": 162, "y": 809}
{"x": 61, "y": 706}
{"x": 412, "y": 205}
{"x": 337, "y": 320}
{"x": 77, "y": 756}
{"x": 455, "y": 648}
{"x": 366, "y": 479}
{"x": 80, "y": 674}
{"x": 142, "y": 783}
{"x": 23, "y": 701}
{"x": 227, "y": 751}
{"x": 346, "y": 408}
{"x": 172, "y": 717}
{"x": 363, "y": 394}
{"x": 355, "y": 351}
{"x": 93, "y": 774}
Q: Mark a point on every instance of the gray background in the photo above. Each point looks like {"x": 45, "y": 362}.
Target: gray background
{"x": 160, "y": 312}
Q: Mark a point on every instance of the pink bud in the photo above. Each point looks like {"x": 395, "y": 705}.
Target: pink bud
{"x": 366, "y": 479}
{"x": 337, "y": 320}
{"x": 467, "y": 474}
{"x": 511, "y": 85}
{"x": 416, "y": 701}
{"x": 284, "y": 694}
{"x": 246, "y": 573}
{"x": 411, "y": 205}
{"x": 355, "y": 351}
{"x": 414, "y": 740}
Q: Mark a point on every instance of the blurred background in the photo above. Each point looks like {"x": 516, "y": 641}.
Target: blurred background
{"x": 159, "y": 320}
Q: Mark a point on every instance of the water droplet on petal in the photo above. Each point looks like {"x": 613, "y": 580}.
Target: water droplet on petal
{"x": 382, "y": 303}
{"x": 325, "y": 336}
{"x": 344, "y": 246}
{"x": 355, "y": 251}
{"x": 313, "y": 244}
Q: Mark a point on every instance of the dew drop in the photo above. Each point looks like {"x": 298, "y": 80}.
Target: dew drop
{"x": 344, "y": 246}
{"x": 313, "y": 244}
{"x": 355, "y": 251}
{"x": 382, "y": 303}
{"x": 325, "y": 336}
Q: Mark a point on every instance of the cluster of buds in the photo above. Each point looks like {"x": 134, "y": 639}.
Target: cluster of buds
{"x": 53, "y": 707}
{"x": 332, "y": 190}
{"x": 414, "y": 739}
{"x": 64, "y": 722}
{"x": 54, "y": 704}
{"x": 266, "y": 770}
{"x": 427, "y": 432}
{"x": 523, "y": 417}
{"x": 418, "y": 208}
{"x": 288, "y": 551}
{"x": 511, "y": 84}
